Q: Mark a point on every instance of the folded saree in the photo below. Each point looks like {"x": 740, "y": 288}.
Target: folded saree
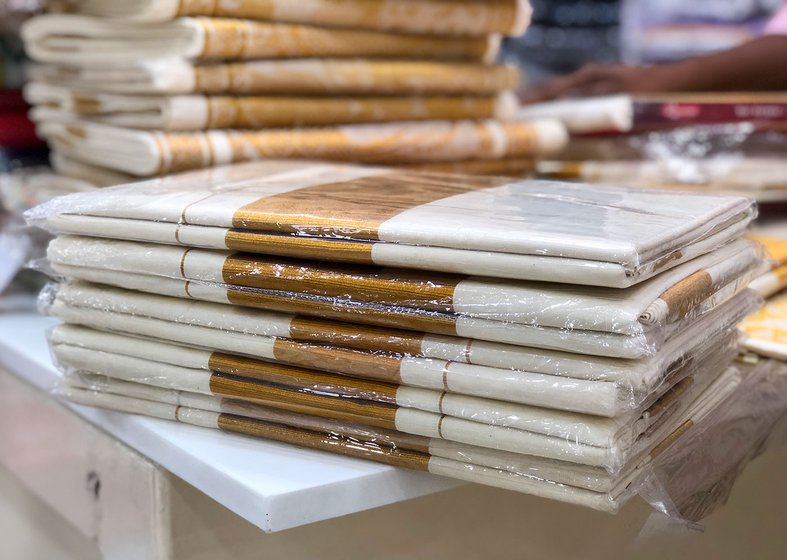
{"x": 437, "y": 17}
{"x": 766, "y": 330}
{"x": 94, "y": 390}
{"x": 391, "y": 416}
{"x": 321, "y": 76}
{"x": 773, "y": 279}
{"x": 99, "y": 390}
{"x": 573, "y": 382}
{"x": 80, "y": 347}
{"x": 145, "y": 153}
{"x": 353, "y": 446}
{"x": 761, "y": 177}
{"x": 199, "y": 112}
{"x": 74, "y": 39}
{"x": 489, "y": 226}
{"x": 666, "y": 298}
{"x": 94, "y": 175}
{"x": 596, "y": 343}
{"x": 635, "y": 113}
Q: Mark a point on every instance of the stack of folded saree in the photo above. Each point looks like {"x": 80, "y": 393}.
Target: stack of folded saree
{"x": 543, "y": 337}
{"x": 150, "y": 88}
{"x": 713, "y": 142}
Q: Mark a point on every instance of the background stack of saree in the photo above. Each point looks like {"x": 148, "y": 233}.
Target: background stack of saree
{"x": 544, "y": 337}
{"x": 710, "y": 142}
{"x": 148, "y": 88}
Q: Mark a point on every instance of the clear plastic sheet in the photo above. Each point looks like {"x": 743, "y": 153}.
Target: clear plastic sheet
{"x": 489, "y": 226}
{"x": 744, "y": 158}
{"x": 714, "y": 439}
{"x": 690, "y": 481}
{"x": 532, "y": 376}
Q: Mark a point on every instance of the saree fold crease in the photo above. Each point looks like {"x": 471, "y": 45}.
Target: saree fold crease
{"x": 489, "y": 226}
{"x": 434, "y": 17}
{"x": 74, "y": 39}
{"x": 146, "y": 153}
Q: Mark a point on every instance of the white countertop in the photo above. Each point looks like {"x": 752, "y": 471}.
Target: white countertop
{"x": 273, "y": 485}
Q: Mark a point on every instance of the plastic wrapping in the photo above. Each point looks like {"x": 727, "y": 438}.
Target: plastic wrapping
{"x": 438, "y": 17}
{"x": 78, "y": 39}
{"x": 736, "y": 407}
{"x": 531, "y": 376}
{"x": 690, "y": 481}
{"x": 737, "y": 158}
{"x": 535, "y": 230}
{"x": 603, "y": 322}
{"x": 200, "y": 112}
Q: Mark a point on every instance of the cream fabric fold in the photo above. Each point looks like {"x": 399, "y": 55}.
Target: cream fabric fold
{"x": 664, "y": 299}
{"x": 200, "y": 112}
{"x": 437, "y": 17}
{"x": 98, "y": 176}
{"x": 146, "y": 153}
{"x": 536, "y": 230}
{"x": 75, "y": 39}
{"x": 173, "y": 76}
{"x": 526, "y": 375}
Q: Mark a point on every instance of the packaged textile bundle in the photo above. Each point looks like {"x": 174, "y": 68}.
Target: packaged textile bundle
{"x": 720, "y": 142}
{"x": 597, "y": 327}
{"x": 129, "y": 88}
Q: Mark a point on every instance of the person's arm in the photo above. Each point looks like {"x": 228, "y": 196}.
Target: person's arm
{"x": 759, "y": 65}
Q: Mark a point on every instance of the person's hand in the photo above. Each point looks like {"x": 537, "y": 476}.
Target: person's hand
{"x": 595, "y": 79}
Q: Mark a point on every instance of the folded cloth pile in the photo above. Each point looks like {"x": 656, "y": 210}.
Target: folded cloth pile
{"x": 766, "y": 330}
{"x": 730, "y": 142}
{"x": 149, "y": 88}
{"x": 532, "y": 335}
